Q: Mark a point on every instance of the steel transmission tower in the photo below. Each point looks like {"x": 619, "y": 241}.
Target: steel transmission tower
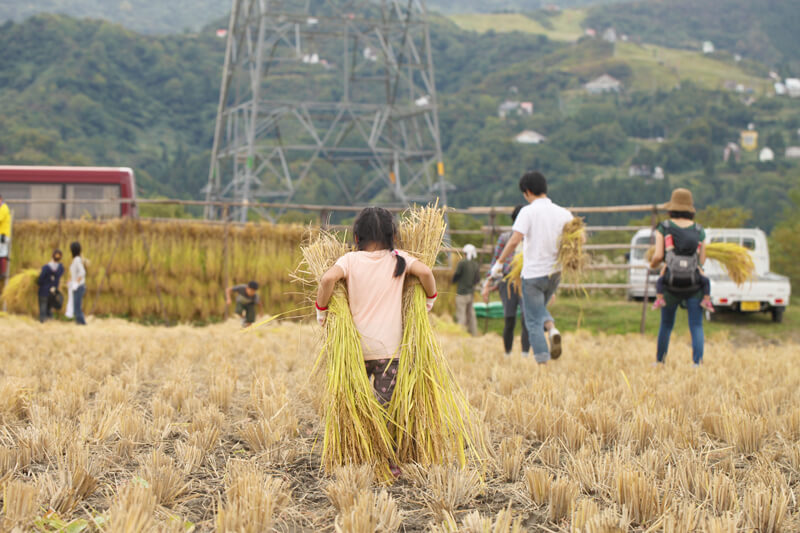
{"x": 327, "y": 99}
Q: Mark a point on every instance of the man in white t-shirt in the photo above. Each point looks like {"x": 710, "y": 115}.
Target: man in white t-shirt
{"x": 539, "y": 225}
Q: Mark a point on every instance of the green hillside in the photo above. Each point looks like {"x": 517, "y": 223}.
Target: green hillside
{"x": 146, "y": 16}
{"x": 89, "y": 92}
{"x": 765, "y": 30}
{"x": 85, "y": 92}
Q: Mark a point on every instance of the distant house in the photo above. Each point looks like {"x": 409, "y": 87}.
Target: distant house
{"x": 639, "y": 171}
{"x": 780, "y": 89}
{"x": 222, "y": 33}
{"x": 749, "y": 140}
{"x": 792, "y": 152}
{"x": 708, "y": 47}
{"x": 610, "y": 35}
{"x": 590, "y": 32}
{"x": 603, "y": 84}
{"x": 510, "y": 107}
{"x": 766, "y": 155}
{"x": 530, "y": 137}
{"x": 645, "y": 171}
{"x": 506, "y": 108}
{"x": 793, "y": 87}
{"x": 732, "y": 149}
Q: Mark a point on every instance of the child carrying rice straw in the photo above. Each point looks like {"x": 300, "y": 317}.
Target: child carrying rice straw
{"x": 374, "y": 276}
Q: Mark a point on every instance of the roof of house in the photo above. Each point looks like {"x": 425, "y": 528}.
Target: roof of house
{"x": 603, "y": 81}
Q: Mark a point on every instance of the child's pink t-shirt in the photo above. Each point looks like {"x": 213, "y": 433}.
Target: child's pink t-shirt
{"x": 376, "y": 300}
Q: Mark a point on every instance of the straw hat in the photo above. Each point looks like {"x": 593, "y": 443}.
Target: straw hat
{"x": 681, "y": 201}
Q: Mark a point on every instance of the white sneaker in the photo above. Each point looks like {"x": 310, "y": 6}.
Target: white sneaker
{"x": 555, "y": 342}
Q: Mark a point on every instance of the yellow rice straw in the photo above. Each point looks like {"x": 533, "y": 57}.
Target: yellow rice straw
{"x": 735, "y": 259}
{"x": 432, "y": 418}
{"x": 19, "y": 293}
{"x": 356, "y": 425}
{"x": 571, "y": 257}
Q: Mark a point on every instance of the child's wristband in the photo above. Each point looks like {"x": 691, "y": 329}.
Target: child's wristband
{"x": 432, "y": 297}
{"x": 318, "y": 307}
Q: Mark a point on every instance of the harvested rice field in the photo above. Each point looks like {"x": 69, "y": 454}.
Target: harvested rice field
{"x": 123, "y": 427}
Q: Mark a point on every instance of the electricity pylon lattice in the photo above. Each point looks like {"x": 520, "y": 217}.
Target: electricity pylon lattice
{"x": 327, "y": 100}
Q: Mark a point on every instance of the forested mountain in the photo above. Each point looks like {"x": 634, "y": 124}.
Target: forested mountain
{"x": 146, "y": 16}
{"x": 765, "y": 30}
{"x": 90, "y": 92}
{"x": 175, "y": 16}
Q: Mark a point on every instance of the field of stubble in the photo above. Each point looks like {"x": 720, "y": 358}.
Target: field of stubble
{"x": 121, "y": 427}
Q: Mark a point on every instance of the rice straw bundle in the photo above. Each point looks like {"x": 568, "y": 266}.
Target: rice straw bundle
{"x": 734, "y": 258}
{"x": 571, "y": 256}
{"x": 514, "y": 276}
{"x": 431, "y": 415}
{"x": 19, "y": 293}
{"x": 356, "y": 425}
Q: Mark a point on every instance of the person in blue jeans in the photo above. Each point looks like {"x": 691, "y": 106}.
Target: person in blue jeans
{"x": 539, "y": 224}
{"x": 687, "y": 237}
{"x": 77, "y": 282}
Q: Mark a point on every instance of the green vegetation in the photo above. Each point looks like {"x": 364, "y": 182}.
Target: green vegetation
{"x": 765, "y": 31}
{"x": 604, "y": 314}
{"x": 564, "y": 26}
{"x": 147, "y": 16}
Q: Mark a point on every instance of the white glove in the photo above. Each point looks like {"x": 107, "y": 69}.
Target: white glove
{"x": 429, "y": 301}
{"x": 322, "y": 314}
{"x": 497, "y": 270}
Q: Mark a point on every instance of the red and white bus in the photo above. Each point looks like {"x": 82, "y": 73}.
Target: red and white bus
{"x": 56, "y": 192}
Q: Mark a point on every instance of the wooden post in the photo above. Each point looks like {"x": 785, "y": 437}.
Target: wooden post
{"x": 324, "y": 218}
{"x": 225, "y": 260}
{"x": 645, "y": 298}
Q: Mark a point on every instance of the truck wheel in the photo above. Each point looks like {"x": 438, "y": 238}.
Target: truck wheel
{"x": 777, "y": 314}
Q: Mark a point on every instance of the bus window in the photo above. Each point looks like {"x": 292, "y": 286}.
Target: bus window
{"x": 749, "y": 243}
{"x": 94, "y": 209}
{"x": 33, "y": 191}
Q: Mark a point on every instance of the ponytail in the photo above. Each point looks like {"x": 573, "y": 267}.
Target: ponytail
{"x": 400, "y": 265}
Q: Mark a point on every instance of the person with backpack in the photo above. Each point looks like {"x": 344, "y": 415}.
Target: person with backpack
{"x": 682, "y": 280}
{"x": 49, "y": 280}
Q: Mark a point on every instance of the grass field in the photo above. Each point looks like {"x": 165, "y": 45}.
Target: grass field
{"x": 602, "y": 314}
{"x": 564, "y": 27}
{"x": 654, "y": 67}
{"x": 123, "y": 427}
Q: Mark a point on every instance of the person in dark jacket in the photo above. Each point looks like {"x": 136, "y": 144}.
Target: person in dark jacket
{"x": 467, "y": 276}
{"x": 49, "y": 280}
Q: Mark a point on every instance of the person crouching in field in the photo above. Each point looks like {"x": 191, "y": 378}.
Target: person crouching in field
{"x": 49, "y": 280}
{"x": 467, "y": 276}
{"x": 246, "y": 301}
{"x": 374, "y": 276}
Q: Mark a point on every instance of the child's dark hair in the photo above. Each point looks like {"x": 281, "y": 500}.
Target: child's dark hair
{"x": 75, "y": 248}
{"x": 376, "y": 225}
{"x": 515, "y": 212}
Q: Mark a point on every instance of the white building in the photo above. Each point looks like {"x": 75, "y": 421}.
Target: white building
{"x": 780, "y": 89}
{"x": 708, "y": 47}
{"x": 610, "y": 35}
{"x": 603, "y": 84}
{"x": 766, "y": 155}
{"x": 530, "y": 137}
{"x": 793, "y": 152}
{"x": 793, "y": 87}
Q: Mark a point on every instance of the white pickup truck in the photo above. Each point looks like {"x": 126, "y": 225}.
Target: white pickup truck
{"x": 767, "y": 292}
